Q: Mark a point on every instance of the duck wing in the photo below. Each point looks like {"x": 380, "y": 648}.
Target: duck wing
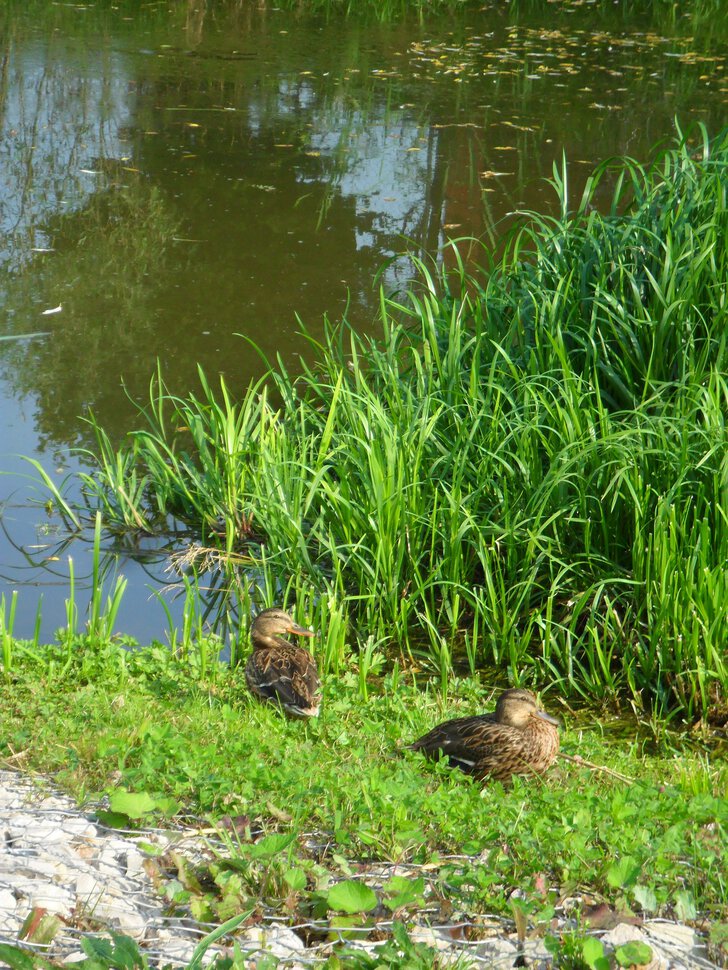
{"x": 286, "y": 675}
{"x": 485, "y": 748}
{"x": 465, "y": 741}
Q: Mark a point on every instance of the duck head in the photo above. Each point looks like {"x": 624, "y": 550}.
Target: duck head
{"x": 516, "y": 707}
{"x": 269, "y": 627}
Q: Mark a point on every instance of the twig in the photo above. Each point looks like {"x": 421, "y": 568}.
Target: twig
{"x": 578, "y": 760}
{"x": 16, "y": 755}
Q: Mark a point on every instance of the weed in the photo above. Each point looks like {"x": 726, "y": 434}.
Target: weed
{"x": 527, "y": 469}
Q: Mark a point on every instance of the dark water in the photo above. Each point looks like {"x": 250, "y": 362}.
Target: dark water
{"x": 174, "y": 180}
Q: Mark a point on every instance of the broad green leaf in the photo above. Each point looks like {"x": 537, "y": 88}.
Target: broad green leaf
{"x": 401, "y": 891}
{"x": 633, "y": 953}
{"x": 126, "y": 953}
{"x": 114, "y": 820}
{"x": 623, "y": 873}
{"x": 16, "y": 958}
{"x": 354, "y": 927}
{"x": 296, "y": 879}
{"x": 39, "y": 926}
{"x": 270, "y": 846}
{"x": 685, "y": 905}
{"x": 132, "y": 804}
{"x": 201, "y": 909}
{"x": 646, "y": 898}
{"x": 97, "y": 948}
{"x": 592, "y": 950}
{"x": 351, "y": 896}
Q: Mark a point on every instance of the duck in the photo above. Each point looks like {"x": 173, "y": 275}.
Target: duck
{"x": 279, "y": 671}
{"x": 518, "y": 738}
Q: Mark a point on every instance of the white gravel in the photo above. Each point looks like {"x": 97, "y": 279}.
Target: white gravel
{"x": 56, "y": 858}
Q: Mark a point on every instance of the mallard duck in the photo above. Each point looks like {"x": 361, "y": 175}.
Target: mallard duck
{"x": 280, "y": 671}
{"x": 517, "y": 739}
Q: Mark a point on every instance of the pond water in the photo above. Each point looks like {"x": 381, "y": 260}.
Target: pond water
{"x": 178, "y": 181}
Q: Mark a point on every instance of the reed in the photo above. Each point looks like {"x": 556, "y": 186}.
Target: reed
{"x": 7, "y": 625}
{"x": 527, "y": 467}
{"x": 102, "y": 615}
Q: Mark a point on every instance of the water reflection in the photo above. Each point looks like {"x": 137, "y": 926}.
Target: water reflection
{"x": 173, "y": 179}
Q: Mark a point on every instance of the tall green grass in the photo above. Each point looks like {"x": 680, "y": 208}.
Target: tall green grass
{"x": 526, "y": 470}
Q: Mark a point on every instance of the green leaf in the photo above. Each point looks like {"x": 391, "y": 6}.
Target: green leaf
{"x": 133, "y": 804}
{"x": 348, "y": 928}
{"x": 623, "y": 873}
{"x": 127, "y": 954}
{"x": 16, "y": 958}
{"x": 39, "y": 926}
{"x": 201, "y": 909}
{"x": 270, "y": 846}
{"x": 592, "y": 951}
{"x": 227, "y": 927}
{"x": 167, "y": 806}
{"x": 646, "y": 898}
{"x": 351, "y": 896}
{"x": 114, "y": 820}
{"x": 634, "y": 952}
{"x": 97, "y": 948}
{"x": 295, "y": 878}
{"x": 401, "y": 891}
{"x": 685, "y": 905}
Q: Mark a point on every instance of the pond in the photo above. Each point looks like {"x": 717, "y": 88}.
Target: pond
{"x": 203, "y": 185}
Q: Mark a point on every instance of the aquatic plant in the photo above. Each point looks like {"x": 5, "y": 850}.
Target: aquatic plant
{"x": 533, "y": 459}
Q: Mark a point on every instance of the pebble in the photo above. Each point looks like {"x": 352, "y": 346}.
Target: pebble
{"x": 54, "y": 856}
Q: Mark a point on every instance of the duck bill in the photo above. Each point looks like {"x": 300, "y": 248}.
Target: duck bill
{"x": 300, "y": 630}
{"x": 547, "y": 717}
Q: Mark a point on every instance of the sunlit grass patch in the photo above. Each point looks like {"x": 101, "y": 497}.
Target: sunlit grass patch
{"x": 346, "y": 793}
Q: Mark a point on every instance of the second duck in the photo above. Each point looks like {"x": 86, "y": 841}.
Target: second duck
{"x": 517, "y": 739}
{"x": 280, "y": 671}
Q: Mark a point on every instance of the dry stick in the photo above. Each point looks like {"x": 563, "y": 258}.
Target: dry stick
{"x": 578, "y": 760}
{"x": 16, "y": 755}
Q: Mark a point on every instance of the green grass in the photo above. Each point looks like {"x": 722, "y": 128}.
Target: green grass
{"x": 525, "y": 472}
{"x": 162, "y": 738}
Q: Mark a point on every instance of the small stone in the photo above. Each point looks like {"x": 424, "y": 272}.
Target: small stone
{"x": 623, "y": 933}
{"x": 80, "y": 827}
{"x": 30, "y": 867}
{"x": 47, "y": 834}
{"x": 54, "y": 898}
{"x": 674, "y": 934}
{"x": 75, "y": 956}
{"x": 627, "y": 933}
{"x": 677, "y": 945}
{"x": 279, "y": 941}
{"x": 88, "y": 891}
{"x": 180, "y": 952}
{"x": 131, "y": 923}
{"x": 7, "y": 901}
{"x": 134, "y": 862}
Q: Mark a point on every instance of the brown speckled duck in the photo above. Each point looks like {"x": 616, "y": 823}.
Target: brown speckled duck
{"x": 517, "y": 739}
{"x": 280, "y": 671}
